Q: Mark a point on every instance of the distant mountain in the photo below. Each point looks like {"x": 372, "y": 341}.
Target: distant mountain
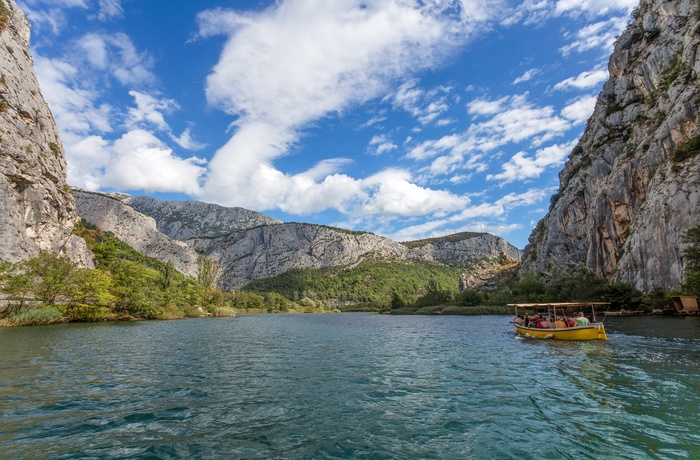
{"x": 194, "y": 219}
{"x": 631, "y": 187}
{"x": 263, "y": 251}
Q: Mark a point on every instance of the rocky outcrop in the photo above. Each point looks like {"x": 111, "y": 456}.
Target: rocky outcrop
{"x": 464, "y": 248}
{"x": 110, "y": 214}
{"x": 631, "y": 187}
{"x": 194, "y": 219}
{"x": 487, "y": 274}
{"x": 36, "y": 206}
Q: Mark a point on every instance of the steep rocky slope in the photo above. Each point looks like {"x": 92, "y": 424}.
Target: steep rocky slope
{"x": 268, "y": 250}
{"x": 109, "y": 213}
{"x": 194, "y": 219}
{"x": 464, "y": 248}
{"x": 272, "y": 250}
{"x": 631, "y": 187}
{"x": 36, "y": 206}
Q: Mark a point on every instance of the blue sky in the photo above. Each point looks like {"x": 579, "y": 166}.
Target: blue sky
{"x": 409, "y": 119}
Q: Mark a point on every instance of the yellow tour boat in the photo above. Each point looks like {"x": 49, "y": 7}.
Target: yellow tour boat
{"x": 584, "y": 329}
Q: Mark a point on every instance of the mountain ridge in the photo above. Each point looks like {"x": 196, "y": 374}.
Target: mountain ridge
{"x": 268, "y": 250}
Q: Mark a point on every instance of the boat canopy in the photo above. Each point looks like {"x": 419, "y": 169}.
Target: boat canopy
{"x": 558, "y": 304}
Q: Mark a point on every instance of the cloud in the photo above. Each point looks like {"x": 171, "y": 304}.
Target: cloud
{"x": 594, "y": 7}
{"x": 109, "y": 9}
{"x": 474, "y": 217}
{"x": 150, "y": 110}
{"x": 584, "y": 80}
{"x": 380, "y": 144}
{"x": 393, "y": 193}
{"x": 117, "y": 54}
{"x": 186, "y": 141}
{"x": 527, "y": 76}
{"x": 298, "y": 61}
{"x": 537, "y": 12}
{"x": 600, "y": 35}
{"x": 521, "y": 167}
{"x": 136, "y": 159}
{"x": 579, "y": 110}
{"x": 496, "y": 123}
{"x": 140, "y": 161}
{"x": 425, "y": 106}
{"x": 76, "y": 107}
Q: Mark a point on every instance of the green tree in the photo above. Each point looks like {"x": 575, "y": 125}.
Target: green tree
{"x": 15, "y": 282}
{"x": 469, "y": 298}
{"x": 93, "y": 287}
{"x": 396, "y": 301}
{"x": 136, "y": 288}
{"x": 51, "y": 275}
{"x": 206, "y": 272}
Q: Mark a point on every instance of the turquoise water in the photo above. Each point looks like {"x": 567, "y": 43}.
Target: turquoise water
{"x": 349, "y": 386}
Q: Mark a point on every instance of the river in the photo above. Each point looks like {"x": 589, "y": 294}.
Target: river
{"x": 341, "y": 386}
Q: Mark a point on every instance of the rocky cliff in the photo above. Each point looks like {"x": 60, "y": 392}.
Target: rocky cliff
{"x": 194, "y": 219}
{"x": 36, "y": 206}
{"x": 262, "y": 251}
{"x": 110, "y": 213}
{"x": 269, "y": 251}
{"x": 464, "y": 248}
{"x": 272, "y": 250}
{"x": 631, "y": 187}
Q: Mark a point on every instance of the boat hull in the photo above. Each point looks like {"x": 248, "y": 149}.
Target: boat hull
{"x": 595, "y": 331}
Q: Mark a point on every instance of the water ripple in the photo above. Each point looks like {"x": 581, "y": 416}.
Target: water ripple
{"x": 347, "y": 386}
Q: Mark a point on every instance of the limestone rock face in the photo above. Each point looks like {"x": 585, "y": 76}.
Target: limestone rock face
{"x": 625, "y": 197}
{"x": 465, "y": 248}
{"x": 193, "y": 219}
{"x": 134, "y": 228}
{"x": 269, "y": 251}
{"x": 36, "y": 208}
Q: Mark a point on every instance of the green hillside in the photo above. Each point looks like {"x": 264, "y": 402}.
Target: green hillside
{"x": 371, "y": 281}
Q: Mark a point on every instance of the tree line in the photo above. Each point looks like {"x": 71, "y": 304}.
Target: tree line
{"x": 124, "y": 285}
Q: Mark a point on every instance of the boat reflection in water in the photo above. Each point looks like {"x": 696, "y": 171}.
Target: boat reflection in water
{"x": 560, "y": 314}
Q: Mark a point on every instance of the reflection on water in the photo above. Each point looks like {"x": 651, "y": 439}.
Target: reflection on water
{"x": 349, "y": 386}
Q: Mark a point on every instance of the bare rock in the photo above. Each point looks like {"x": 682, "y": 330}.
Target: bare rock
{"x": 624, "y": 201}
{"x": 37, "y": 209}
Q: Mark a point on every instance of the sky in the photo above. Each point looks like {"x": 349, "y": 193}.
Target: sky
{"x": 409, "y": 119}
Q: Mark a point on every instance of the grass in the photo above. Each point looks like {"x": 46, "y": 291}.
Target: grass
{"x": 34, "y": 317}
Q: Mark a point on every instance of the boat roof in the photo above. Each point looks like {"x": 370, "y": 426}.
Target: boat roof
{"x": 558, "y": 304}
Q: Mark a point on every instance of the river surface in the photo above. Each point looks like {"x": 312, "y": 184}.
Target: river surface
{"x": 343, "y": 386}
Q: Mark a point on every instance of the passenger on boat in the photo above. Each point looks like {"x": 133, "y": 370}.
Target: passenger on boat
{"x": 545, "y": 323}
{"x": 581, "y": 320}
{"x": 519, "y": 320}
{"x": 527, "y": 319}
{"x": 559, "y": 323}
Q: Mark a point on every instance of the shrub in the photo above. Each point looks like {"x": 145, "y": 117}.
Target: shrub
{"x": 687, "y": 149}
{"x": 223, "y": 312}
{"x": 87, "y": 313}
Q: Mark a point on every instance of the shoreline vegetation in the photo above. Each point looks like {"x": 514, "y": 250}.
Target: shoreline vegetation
{"x": 128, "y": 286}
